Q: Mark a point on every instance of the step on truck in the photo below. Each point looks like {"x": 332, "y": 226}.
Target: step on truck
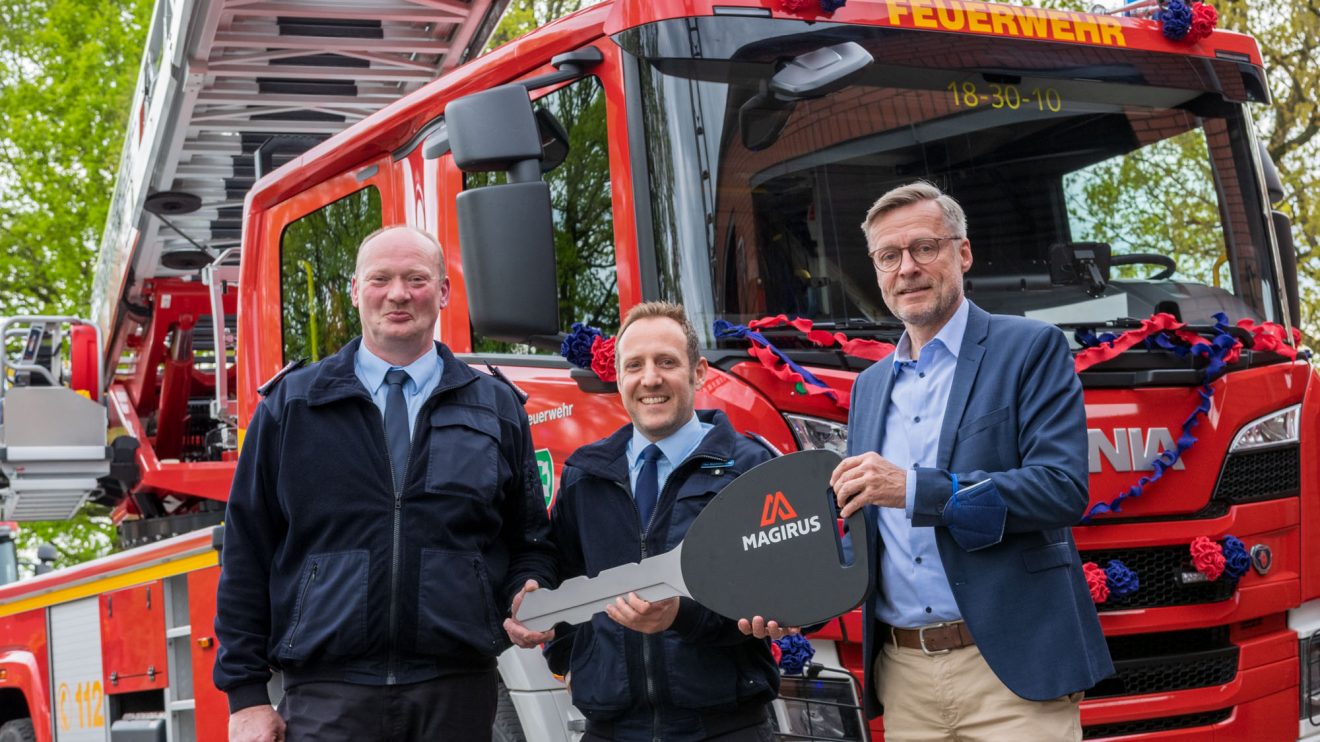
{"x": 720, "y": 154}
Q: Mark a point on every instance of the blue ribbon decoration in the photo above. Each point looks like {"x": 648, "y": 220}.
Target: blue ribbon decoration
{"x": 795, "y": 653}
{"x": 1216, "y": 351}
{"x": 1122, "y": 581}
{"x": 1236, "y": 559}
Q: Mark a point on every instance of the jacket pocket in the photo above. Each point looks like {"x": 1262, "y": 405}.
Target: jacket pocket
{"x": 982, "y": 423}
{"x": 456, "y": 605}
{"x": 1049, "y": 556}
{"x": 700, "y": 676}
{"x": 599, "y": 668}
{"x": 329, "y": 618}
{"x": 463, "y": 456}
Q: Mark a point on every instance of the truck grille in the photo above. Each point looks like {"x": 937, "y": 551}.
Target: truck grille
{"x": 1157, "y": 663}
{"x": 1163, "y": 724}
{"x": 1260, "y": 475}
{"x": 1160, "y": 570}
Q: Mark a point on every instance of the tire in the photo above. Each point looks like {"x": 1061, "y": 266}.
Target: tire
{"x": 18, "y": 730}
{"x": 507, "y": 727}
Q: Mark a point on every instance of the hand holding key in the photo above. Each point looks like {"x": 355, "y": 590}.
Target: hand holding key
{"x": 767, "y": 545}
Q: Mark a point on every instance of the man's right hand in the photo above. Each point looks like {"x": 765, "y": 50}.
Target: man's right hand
{"x": 868, "y": 479}
{"x": 256, "y": 724}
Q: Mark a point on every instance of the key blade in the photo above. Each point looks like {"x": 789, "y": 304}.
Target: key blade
{"x": 578, "y": 599}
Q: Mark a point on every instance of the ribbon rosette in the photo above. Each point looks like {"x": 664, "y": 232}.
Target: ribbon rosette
{"x": 1096, "y": 581}
{"x": 1121, "y": 580}
{"x": 1207, "y": 557}
{"x": 586, "y": 347}
{"x": 807, "y": 6}
{"x": 602, "y": 359}
{"x": 795, "y": 653}
{"x": 1236, "y": 559}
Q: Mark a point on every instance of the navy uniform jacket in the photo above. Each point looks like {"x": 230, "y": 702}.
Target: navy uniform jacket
{"x": 1015, "y": 416}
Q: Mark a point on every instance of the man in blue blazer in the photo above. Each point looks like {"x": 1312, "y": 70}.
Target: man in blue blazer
{"x": 968, "y": 451}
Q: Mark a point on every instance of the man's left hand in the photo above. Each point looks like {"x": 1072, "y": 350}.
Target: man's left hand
{"x": 519, "y": 634}
{"x": 639, "y": 615}
{"x": 868, "y": 479}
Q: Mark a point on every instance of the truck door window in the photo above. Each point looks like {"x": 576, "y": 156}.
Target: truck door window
{"x": 317, "y": 255}
{"x": 586, "y": 280}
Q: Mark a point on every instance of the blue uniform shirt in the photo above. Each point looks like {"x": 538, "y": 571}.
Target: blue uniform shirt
{"x": 915, "y": 588}
{"x": 423, "y": 376}
{"x": 678, "y": 446}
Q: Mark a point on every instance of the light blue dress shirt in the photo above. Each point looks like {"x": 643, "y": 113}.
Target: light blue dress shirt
{"x": 916, "y": 590}
{"x": 423, "y": 377}
{"x": 677, "y": 447}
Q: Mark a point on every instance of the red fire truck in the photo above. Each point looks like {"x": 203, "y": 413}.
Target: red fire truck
{"x": 718, "y": 153}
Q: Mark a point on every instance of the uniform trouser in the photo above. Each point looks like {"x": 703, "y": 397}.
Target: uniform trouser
{"x": 455, "y": 707}
{"x": 956, "y": 697}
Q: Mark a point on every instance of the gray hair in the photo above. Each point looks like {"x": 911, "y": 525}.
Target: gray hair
{"x": 916, "y": 192}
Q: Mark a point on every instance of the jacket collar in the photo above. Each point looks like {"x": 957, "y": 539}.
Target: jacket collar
{"x": 336, "y": 379}
{"x": 608, "y": 457}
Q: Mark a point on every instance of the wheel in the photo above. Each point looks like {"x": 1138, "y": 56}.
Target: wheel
{"x": 1143, "y": 258}
{"x": 18, "y": 730}
{"x": 507, "y": 727}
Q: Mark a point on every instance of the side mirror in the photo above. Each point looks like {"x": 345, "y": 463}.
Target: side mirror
{"x": 46, "y": 556}
{"x": 505, "y": 232}
{"x": 1273, "y": 183}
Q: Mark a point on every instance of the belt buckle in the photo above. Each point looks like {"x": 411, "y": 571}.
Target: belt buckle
{"x": 921, "y": 636}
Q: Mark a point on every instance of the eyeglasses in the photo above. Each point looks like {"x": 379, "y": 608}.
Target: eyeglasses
{"x": 923, "y": 251}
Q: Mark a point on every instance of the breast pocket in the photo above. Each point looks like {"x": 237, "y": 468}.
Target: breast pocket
{"x": 988, "y": 421}
{"x": 464, "y": 453}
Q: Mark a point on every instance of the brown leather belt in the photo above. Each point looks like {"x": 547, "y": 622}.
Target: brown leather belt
{"x": 937, "y": 638}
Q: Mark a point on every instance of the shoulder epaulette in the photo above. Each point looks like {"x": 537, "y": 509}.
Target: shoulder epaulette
{"x": 289, "y": 368}
{"x": 517, "y": 392}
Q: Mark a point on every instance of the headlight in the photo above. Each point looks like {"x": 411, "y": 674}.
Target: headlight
{"x": 814, "y": 433}
{"x": 1276, "y": 429}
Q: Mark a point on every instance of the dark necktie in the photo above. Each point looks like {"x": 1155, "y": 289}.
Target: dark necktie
{"x": 396, "y": 426}
{"x": 648, "y": 484}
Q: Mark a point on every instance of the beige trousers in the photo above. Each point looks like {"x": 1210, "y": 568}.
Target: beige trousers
{"x": 957, "y": 697}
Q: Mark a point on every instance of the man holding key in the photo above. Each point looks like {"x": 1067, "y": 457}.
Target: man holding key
{"x": 969, "y": 449}
{"x": 669, "y": 669}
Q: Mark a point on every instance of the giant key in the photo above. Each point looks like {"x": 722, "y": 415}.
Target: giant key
{"x": 767, "y": 545}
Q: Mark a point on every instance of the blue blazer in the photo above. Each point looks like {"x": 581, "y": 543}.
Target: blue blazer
{"x": 1015, "y": 416}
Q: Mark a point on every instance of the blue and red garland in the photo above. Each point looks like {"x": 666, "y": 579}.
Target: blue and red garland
{"x": 783, "y": 367}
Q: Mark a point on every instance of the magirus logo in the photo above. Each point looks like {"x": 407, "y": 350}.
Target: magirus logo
{"x": 777, "y": 509}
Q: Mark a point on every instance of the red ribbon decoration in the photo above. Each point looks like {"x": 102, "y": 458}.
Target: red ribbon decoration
{"x": 871, "y": 350}
{"x": 1158, "y": 323}
{"x": 1207, "y": 557}
{"x": 1272, "y": 337}
{"x": 602, "y": 359}
{"x": 1096, "y": 581}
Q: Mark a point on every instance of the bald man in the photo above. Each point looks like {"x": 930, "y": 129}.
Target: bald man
{"x": 385, "y": 513}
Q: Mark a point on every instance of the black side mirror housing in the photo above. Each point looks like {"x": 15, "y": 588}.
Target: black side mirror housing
{"x": 505, "y": 232}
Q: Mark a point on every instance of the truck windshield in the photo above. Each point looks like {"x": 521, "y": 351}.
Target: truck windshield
{"x": 1099, "y": 184}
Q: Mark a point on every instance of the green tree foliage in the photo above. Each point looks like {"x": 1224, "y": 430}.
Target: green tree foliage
{"x": 67, "y": 73}
{"x": 318, "y": 255}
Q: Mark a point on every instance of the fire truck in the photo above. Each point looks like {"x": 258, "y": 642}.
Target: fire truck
{"x": 721, "y": 154}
